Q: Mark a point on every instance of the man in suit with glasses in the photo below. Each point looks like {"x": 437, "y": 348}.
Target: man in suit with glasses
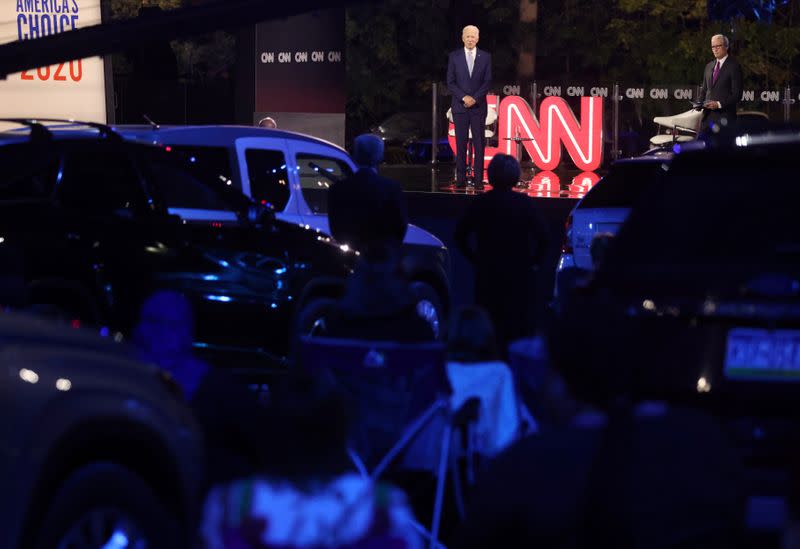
{"x": 722, "y": 84}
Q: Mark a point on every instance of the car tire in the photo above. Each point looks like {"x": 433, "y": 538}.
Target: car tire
{"x": 104, "y": 502}
{"x": 430, "y": 307}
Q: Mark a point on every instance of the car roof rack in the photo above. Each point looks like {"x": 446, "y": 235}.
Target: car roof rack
{"x": 40, "y": 131}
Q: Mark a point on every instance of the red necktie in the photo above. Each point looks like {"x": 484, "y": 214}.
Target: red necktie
{"x": 716, "y": 73}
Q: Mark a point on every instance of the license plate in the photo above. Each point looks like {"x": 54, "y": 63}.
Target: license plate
{"x": 762, "y": 354}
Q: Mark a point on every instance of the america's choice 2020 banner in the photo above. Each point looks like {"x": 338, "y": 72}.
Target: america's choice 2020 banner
{"x": 74, "y": 89}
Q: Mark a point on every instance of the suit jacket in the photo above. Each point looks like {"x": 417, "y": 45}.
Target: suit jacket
{"x": 728, "y": 87}
{"x": 460, "y": 83}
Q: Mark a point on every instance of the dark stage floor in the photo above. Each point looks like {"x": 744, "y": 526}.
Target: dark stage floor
{"x": 536, "y": 183}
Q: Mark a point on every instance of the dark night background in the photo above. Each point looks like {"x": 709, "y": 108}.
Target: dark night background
{"x": 396, "y": 49}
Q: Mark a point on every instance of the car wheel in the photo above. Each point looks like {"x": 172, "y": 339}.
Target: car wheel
{"x": 106, "y": 505}
{"x": 429, "y": 307}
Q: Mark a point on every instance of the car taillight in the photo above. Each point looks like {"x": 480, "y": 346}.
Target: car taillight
{"x": 566, "y": 244}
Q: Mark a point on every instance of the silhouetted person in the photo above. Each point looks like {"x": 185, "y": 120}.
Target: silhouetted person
{"x": 570, "y": 278}
{"x": 267, "y": 122}
{"x": 367, "y": 209}
{"x": 368, "y": 213}
{"x": 510, "y": 240}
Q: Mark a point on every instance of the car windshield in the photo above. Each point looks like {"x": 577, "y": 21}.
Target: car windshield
{"x": 719, "y": 218}
{"x": 623, "y": 185}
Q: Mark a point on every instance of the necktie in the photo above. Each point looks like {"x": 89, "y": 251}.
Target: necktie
{"x": 470, "y": 60}
{"x": 716, "y": 73}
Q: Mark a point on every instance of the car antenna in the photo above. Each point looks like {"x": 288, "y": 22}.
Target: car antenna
{"x": 153, "y": 125}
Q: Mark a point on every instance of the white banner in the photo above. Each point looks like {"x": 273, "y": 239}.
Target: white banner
{"x": 74, "y": 89}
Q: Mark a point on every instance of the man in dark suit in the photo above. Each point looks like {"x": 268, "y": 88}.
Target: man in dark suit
{"x": 469, "y": 75}
{"x": 722, "y": 84}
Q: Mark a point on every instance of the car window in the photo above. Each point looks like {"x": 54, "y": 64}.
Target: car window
{"x": 269, "y": 180}
{"x": 314, "y": 183}
{"x": 100, "y": 178}
{"x": 208, "y": 165}
{"x": 622, "y": 186}
{"x": 28, "y": 171}
{"x": 172, "y": 175}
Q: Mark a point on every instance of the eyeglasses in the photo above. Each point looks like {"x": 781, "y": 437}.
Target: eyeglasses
{"x": 717, "y": 46}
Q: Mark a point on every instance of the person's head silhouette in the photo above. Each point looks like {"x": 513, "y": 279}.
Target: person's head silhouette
{"x": 503, "y": 172}
{"x": 267, "y": 122}
{"x": 368, "y": 151}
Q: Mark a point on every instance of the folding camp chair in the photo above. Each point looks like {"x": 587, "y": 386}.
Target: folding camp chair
{"x": 399, "y": 396}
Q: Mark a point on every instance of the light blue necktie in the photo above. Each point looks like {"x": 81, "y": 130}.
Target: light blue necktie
{"x": 470, "y": 60}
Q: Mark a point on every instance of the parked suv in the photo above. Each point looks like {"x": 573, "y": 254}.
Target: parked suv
{"x": 96, "y": 449}
{"x": 698, "y": 300}
{"x": 606, "y": 206}
{"x": 89, "y": 216}
{"x": 290, "y": 174}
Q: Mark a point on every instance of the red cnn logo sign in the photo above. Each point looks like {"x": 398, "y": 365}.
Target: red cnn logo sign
{"x": 542, "y": 138}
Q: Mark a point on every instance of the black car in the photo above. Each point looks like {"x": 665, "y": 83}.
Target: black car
{"x": 85, "y": 214}
{"x": 697, "y": 301}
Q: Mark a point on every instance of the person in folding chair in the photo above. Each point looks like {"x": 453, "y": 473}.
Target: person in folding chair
{"x": 306, "y": 494}
{"x": 398, "y": 397}
{"x": 474, "y": 369}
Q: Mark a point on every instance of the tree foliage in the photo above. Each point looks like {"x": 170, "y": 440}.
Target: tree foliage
{"x": 660, "y": 42}
{"x": 199, "y": 59}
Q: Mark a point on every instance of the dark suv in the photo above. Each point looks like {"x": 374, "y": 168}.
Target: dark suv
{"x": 698, "y": 300}
{"x": 86, "y": 214}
